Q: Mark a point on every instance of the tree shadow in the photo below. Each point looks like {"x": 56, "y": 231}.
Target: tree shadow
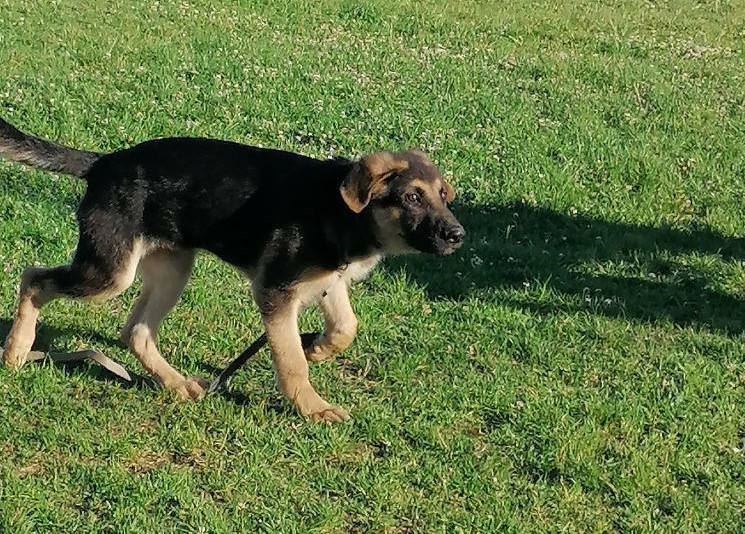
{"x": 515, "y": 246}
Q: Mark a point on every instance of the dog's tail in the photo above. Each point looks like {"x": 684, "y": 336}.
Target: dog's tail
{"x": 24, "y": 148}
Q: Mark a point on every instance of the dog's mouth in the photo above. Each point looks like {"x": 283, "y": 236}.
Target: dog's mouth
{"x": 440, "y": 241}
{"x": 436, "y": 245}
{"x": 443, "y": 247}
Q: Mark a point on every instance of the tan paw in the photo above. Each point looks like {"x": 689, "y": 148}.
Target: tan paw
{"x": 192, "y": 388}
{"x": 311, "y": 405}
{"x": 15, "y": 355}
{"x": 332, "y": 414}
{"x": 318, "y": 352}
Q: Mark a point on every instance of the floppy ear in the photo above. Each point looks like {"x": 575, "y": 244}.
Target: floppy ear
{"x": 367, "y": 178}
{"x": 449, "y": 191}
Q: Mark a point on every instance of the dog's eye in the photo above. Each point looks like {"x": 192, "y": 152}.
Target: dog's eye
{"x": 413, "y": 198}
{"x": 443, "y": 194}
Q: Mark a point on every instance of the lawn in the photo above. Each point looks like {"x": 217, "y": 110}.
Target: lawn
{"x": 578, "y": 366}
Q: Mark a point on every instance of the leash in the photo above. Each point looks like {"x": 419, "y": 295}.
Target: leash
{"x": 233, "y": 366}
{"x": 118, "y": 369}
{"x": 244, "y": 356}
{"x": 94, "y": 355}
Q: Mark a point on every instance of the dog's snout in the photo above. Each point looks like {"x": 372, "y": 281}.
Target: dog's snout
{"x": 454, "y": 234}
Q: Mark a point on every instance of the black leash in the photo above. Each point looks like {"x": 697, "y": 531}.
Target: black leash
{"x": 233, "y": 366}
{"x": 243, "y": 357}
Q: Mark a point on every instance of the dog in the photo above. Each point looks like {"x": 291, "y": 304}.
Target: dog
{"x": 301, "y": 229}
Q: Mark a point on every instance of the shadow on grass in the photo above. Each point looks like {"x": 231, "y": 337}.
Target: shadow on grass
{"x": 45, "y": 337}
{"x": 511, "y": 245}
{"x": 44, "y": 341}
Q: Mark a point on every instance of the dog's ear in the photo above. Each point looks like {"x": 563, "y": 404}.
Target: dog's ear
{"x": 449, "y": 191}
{"x": 368, "y": 178}
{"x": 422, "y": 155}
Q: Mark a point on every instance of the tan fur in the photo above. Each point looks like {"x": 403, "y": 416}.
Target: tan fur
{"x": 382, "y": 163}
{"x": 425, "y": 159}
{"x": 449, "y": 191}
{"x": 23, "y": 332}
{"x": 432, "y": 188}
{"x": 164, "y": 276}
{"x": 289, "y": 358}
{"x": 291, "y": 367}
{"x": 358, "y": 270}
{"x": 340, "y": 322}
{"x": 368, "y": 178}
{"x": 387, "y": 228}
{"x": 124, "y": 278}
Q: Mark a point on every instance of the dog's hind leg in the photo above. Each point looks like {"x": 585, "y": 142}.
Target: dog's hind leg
{"x": 340, "y": 324}
{"x": 164, "y": 276}
{"x": 91, "y": 275}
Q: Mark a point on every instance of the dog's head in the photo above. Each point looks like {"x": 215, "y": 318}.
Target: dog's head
{"x": 408, "y": 199}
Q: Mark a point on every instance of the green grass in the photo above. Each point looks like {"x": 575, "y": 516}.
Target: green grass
{"x": 578, "y": 367}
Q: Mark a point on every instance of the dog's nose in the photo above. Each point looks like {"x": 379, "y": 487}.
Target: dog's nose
{"x": 454, "y": 234}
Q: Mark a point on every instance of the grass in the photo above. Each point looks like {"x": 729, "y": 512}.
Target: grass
{"x": 578, "y": 367}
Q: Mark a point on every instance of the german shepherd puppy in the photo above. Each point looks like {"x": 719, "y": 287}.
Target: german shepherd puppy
{"x": 301, "y": 230}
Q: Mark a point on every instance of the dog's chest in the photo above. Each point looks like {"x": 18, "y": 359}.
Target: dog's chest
{"x": 349, "y": 273}
{"x": 358, "y": 270}
{"x": 311, "y": 291}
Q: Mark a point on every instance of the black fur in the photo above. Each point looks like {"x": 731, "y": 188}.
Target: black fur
{"x": 18, "y": 146}
{"x": 236, "y": 201}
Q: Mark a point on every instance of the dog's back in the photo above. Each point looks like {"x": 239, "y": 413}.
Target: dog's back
{"x": 216, "y": 195}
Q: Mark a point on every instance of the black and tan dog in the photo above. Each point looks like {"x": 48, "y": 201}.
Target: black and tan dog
{"x": 301, "y": 230}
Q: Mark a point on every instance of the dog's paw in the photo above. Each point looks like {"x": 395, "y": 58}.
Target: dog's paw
{"x": 14, "y": 356}
{"x": 311, "y": 405}
{"x": 330, "y": 414}
{"x": 318, "y": 352}
{"x": 315, "y": 347}
{"x": 192, "y": 388}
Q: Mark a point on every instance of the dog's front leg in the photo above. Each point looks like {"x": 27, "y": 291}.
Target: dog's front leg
{"x": 290, "y": 365}
{"x": 340, "y": 324}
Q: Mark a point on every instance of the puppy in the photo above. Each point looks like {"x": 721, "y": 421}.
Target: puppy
{"x": 301, "y": 230}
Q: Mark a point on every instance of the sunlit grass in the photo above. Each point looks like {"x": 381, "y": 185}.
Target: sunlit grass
{"x": 579, "y": 366}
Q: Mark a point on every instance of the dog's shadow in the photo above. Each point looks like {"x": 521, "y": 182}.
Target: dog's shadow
{"x": 646, "y": 271}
